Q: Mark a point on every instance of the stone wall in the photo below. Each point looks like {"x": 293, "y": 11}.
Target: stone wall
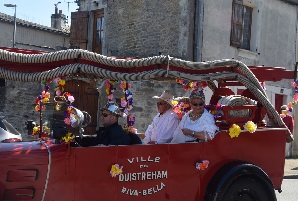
{"x": 17, "y": 104}
{"x": 143, "y": 28}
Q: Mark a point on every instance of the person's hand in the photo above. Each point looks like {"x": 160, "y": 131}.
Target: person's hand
{"x": 186, "y": 131}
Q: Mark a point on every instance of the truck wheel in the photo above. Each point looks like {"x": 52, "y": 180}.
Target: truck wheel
{"x": 247, "y": 189}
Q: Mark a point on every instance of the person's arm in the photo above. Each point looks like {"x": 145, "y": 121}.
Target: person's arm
{"x": 208, "y": 129}
{"x": 178, "y": 136}
{"x": 168, "y": 128}
{"x": 148, "y": 132}
{"x": 202, "y": 135}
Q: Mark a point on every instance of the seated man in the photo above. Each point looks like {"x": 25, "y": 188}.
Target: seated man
{"x": 162, "y": 128}
{"x": 112, "y": 133}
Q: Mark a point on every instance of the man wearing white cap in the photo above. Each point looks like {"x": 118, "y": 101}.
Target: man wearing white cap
{"x": 162, "y": 128}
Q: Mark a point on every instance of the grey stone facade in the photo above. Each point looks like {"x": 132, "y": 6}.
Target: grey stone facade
{"x": 17, "y": 103}
{"x": 143, "y": 28}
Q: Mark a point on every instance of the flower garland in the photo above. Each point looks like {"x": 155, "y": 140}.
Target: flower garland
{"x": 126, "y": 101}
{"x": 69, "y": 117}
{"x": 217, "y": 112}
{"x": 44, "y": 97}
{"x": 191, "y": 85}
{"x": 250, "y": 126}
{"x": 295, "y": 97}
{"x": 59, "y": 90}
{"x": 181, "y": 107}
{"x": 126, "y": 104}
{"x": 110, "y": 89}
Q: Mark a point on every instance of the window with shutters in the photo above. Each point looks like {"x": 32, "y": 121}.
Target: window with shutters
{"x": 98, "y": 31}
{"x": 79, "y": 30}
{"x": 241, "y": 25}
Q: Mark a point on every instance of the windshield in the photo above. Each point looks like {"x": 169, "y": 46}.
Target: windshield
{"x": 9, "y": 128}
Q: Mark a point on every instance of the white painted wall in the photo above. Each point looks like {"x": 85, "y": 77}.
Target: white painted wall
{"x": 273, "y": 39}
{"x": 30, "y": 38}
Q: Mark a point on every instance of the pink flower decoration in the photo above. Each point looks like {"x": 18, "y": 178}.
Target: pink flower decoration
{"x": 58, "y": 93}
{"x": 67, "y": 121}
{"x": 70, "y": 99}
{"x": 294, "y": 84}
{"x": 295, "y": 98}
{"x": 110, "y": 97}
{"x": 107, "y": 83}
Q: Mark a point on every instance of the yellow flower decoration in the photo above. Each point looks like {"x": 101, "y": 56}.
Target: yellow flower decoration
{"x": 62, "y": 82}
{"x": 68, "y": 137}
{"x": 175, "y": 102}
{"x": 234, "y": 131}
{"x": 116, "y": 170}
{"x": 35, "y": 130}
{"x": 45, "y": 100}
{"x": 69, "y": 109}
{"x": 250, "y": 126}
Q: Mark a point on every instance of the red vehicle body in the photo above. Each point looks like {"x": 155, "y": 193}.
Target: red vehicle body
{"x": 249, "y": 167}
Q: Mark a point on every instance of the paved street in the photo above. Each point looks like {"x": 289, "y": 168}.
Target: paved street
{"x": 291, "y": 168}
{"x": 289, "y": 190}
{"x": 290, "y": 183}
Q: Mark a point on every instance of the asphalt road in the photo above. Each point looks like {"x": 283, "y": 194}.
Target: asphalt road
{"x": 289, "y": 189}
{"x": 289, "y": 185}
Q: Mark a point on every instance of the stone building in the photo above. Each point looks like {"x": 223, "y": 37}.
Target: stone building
{"x": 34, "y": 36}
{"x": 17, "y": 99}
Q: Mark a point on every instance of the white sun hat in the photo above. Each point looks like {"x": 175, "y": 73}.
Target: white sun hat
{"x": 167, "y": 97}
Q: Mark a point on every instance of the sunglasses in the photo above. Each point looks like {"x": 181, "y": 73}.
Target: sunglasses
{"x": 196, "y": 104}
{"x": 104, "y": 114}
{"x": 160, "y": 103}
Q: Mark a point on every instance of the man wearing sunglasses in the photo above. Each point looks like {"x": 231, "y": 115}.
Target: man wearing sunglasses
{"x": 162, "y": 128}
{"x": 111, "y": 133}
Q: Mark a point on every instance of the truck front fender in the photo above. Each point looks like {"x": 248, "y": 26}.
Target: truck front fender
{"x": 221, "y": 181}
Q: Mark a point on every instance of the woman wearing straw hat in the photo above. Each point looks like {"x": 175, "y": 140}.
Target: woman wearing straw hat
{"x": 197, "y": 124}
{"x": 162, "y": 128}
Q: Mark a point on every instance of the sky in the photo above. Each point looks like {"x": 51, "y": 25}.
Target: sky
{"x": 38, "y": 11}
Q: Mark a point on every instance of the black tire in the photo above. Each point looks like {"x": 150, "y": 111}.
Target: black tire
{"x": 247, "y": 189}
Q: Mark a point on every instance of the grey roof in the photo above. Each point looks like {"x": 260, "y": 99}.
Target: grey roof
{"x": 10, "y": 19}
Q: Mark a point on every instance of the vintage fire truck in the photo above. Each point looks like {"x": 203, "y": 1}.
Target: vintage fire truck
{"x": 246, "y": 166}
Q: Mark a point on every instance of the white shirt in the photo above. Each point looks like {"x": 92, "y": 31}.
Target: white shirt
{"x": 204, "y": 123}
{"x": 162, "y": 128}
